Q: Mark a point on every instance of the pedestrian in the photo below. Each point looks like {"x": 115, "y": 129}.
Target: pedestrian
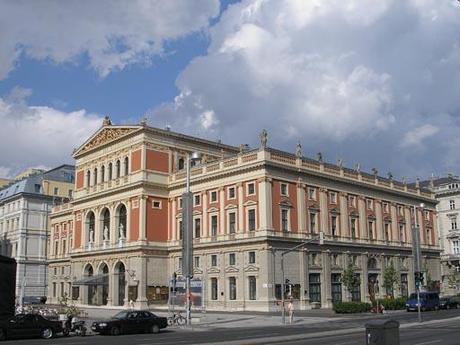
{"x": 291, "y": 310}
{"x": 131, "y": 304}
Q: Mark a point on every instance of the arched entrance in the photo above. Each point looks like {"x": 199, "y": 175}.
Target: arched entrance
{"x": 91, "y": 295}
{"x": 103, "y": 284}
{"x": 120, "y": 284}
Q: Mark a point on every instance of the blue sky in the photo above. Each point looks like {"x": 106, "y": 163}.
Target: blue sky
{"x": 367, "y": 82}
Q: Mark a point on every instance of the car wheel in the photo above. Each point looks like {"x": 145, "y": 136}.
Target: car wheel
{"x": 155, "y": 329}
{"x": 115, "y": 331}
{"x": 46, "y": 333}
{"x": 2, "y": 334}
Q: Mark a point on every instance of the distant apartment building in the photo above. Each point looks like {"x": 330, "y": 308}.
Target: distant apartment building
{"x": 447, "y": 191}
{"x": 25, "y": 205}
{"x": 121, "y": 237}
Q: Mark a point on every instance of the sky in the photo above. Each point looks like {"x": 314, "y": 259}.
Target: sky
{"x": 369, "y": 82}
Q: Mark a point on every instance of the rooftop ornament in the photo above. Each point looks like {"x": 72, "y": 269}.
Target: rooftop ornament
{"x": 298, "y": 150}
{"x": 263, "y": 138}
{"x": 319, "y": 155}
{"x": 106, "y": 121}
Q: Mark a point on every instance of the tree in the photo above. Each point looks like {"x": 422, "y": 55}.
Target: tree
{"x": 453, "y": 279}
{"x": 350, "y": 279}
{"x": 390, "y": 279}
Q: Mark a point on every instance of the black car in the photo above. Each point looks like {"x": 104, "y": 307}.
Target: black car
{"x": 448, "y": 303}
{"x": 29, "y": 326}
{"x": 130, "y": 321}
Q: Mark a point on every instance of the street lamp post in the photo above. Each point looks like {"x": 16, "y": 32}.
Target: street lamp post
{"x": 187, "y": 236}
{"x": 417, "y": 259}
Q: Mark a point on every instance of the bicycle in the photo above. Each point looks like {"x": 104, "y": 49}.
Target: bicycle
{"x": 176, "y": 319}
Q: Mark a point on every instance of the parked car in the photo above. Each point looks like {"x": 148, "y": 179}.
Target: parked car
{"x": 29, "y": 326}
{"x": 130, "y": 321}
{"x": 27, "y": 300}
{"x": 448, "y": 302}
{"x": 428, "y": 301}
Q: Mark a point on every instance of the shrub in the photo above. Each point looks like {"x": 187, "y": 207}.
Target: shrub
{"x": 393, "y": 303}
{"x": 351, "y": 307}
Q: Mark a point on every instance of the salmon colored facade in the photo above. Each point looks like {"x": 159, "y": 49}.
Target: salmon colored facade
{"x": 248, "y": 207}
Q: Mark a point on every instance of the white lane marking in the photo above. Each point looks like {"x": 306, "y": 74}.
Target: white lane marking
{"x": 429, "y": 342}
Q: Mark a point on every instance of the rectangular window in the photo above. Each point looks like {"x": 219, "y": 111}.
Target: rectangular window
{"x": 404, "y": 285}
{"x": 213, "y": 226}
{"x": 62, "y": 289}
{"x": 333, "y": 198}
{"x": 232, "y": 222}
{"x": 179, "y": 263}
{"x": 56, "y": 248}
{"x": 252, "y": 257}
{"x": 400, "y": 210}
{"x": 353, "y": 227}
{"x": 312, "y": 193}
{"x": 356, "y": 292}
{"x": 56, "y": 191}
{"x": 387, "y": 231}
{"x": 231, "y": 259}
{"x": 197, "y": 227}
{"x": 156, "y": 204}
{"x": 352, "y": 201}
{"x": 232, "y": 288}
{"x": 251, "y": 220}
{"x": 452, "y": 204}
{"x": 37, "y": 188}
{"x": 313, "y": 222}
{"x": 455, "y": 247}
{"x": 314, "y": 287}
{"x": 197, "y": 262}
{"x": 251, "y": 189}
{"x": 313, "y": 259}
{"x": 284, "y": 220}
{"x": 197, "y": 200}
{"x": 214, "y": 260}
{"x": 180, "y": 203}
{"x": 453, "y": 223}
{"x": 401, "y": 232}
{"x": 369, "y": 204}
{"x": 284, "y": 189}
{"x": 64, "y": 246}
{"x": 54, "y": 289}
{"x": 214, "y": 196}
{"x": 334, "y": 225}
{"x": 252, "y": 288}
{"x": 181, "y": 230}
{"x": 214, "y": 289}
{"x": 231, "y": 193}
{"x": 336, "y": 288}
{"x": 370, "y": 229}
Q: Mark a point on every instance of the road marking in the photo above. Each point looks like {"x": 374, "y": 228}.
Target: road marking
{"x": 429, "y": 342}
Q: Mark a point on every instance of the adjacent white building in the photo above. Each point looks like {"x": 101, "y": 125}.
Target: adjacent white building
{"x": 25, "y": 205}
{"x": 447, "y": 191}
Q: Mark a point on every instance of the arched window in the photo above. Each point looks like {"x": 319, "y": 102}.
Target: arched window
{"x": 90, "y": 227}
{"x": 103, "y": 173}
{"x": 121, "y": 226}
{"x": 181, "y": 164}
{"x": 110, "y": 171}
{"x": 106, "y": 225}
{"x": 88, "y": 178}
{"x": 95, "y": 176}
{"x": 372, "y": 263}
{"x": 126, "y": 166}
{"x": 117, "y": 167}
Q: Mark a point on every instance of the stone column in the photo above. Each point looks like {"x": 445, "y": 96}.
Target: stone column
{"x": 301, "y": 208}
{"x": 394, "y": 223}
{"x": 204, "y": 202}
{"x": 111, "y": 298}
{"x": 142, "y": 218}
{"x": 265, "y": 204}
{"x": 326, "y": 280}
{"x": 344, "y": 229}
{"x": 142, "y": 287}
{"x": 97, "y": 228}
{"x": 324, "y": 211}
{"x": 379, "y": 219}
{"x": 222, "y": 226}
{"x": 363, "y": 234}
{"x": 241, "y": 221}
{"x": 364, "y": 277}
{"x": 173, "y": 220}
{"x": 128, "y": 221}
{"x": 113, "y": 226}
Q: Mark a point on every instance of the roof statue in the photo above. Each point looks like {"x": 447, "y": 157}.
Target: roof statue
{"x": 358, "y": 167}
{"x": 340, "y": 163}
{"x": 263, "y": 138}
{"x": 375, "y": 171}
{"x": 106, "y": 121}
{"x": 143, "y": 122}
{"x": 390, "y": 175}
{"x": 319, "y": 155}
{"x": 298, "y": 150}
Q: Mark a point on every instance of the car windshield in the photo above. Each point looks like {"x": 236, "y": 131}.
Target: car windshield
{"x": 121, "y": 315}
{"x": 413, "y": 296}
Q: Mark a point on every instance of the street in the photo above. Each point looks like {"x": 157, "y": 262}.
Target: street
{"x": 439, "y": 327}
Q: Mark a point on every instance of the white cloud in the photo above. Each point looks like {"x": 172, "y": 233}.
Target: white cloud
{"x": 39, "y": 136}
{"x": 416, "y": 136}
{"x": 208, "y": 119}
{"x": 347, "y": 77}
{"x": 113, "y": 33}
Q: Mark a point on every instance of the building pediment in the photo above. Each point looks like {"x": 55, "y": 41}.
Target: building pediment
{"x": 231, "y": 269}
{"x": 250, "y": 203}
{"x": 230, "y": 206}
{"x": 197, "y": 271}
{"x": 251, "y": 268}
{"x": 213, "y": 270}
{"x": 105, "y": 135}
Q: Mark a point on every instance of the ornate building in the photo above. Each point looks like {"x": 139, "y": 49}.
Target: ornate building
{"x": 125, "y": 226}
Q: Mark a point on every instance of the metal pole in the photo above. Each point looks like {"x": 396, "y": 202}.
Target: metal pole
{"x": 187, "y": 282}
{"x": 283, "y": 312}
{"x": 417, "y": 243}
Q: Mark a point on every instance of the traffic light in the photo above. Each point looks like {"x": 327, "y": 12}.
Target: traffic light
{"x": 418, "y": 279}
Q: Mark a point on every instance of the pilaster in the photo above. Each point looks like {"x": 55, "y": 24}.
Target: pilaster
{"x": 301, "y": 208}
{"x": 265, "y": 204}
{"x": 142, "y": 218}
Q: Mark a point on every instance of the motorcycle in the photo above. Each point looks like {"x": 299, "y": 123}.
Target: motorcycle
{"x": 77, "y": 327}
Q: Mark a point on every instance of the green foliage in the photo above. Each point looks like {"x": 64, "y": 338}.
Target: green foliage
{"x": 390, "y": 278}
{"x": 349, "y": 278}
{"x": 453, "y": 279}
{"x": 351, "y": 307}
{"x": 65, "y": 308}
{"x": 393, "y": 303}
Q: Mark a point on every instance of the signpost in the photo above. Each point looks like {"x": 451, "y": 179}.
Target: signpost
{"x": 417, "y": 260}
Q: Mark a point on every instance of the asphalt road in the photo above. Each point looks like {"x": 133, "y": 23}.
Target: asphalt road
{"x": 444, "y": 332}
